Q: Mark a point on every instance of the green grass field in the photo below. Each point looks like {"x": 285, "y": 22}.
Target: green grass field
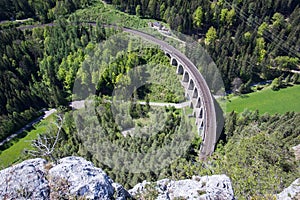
{"x": 267, "y": 101}
{"x": 108, "y": 14}
{"x": 14, "y": 153}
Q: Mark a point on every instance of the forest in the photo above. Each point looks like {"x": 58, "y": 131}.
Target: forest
{"x": 249, "y": 42}
{"x": 247, "y": 47}
{"x": 42, "y": 11}
{"x": 33, "y": 68}
{"x": 255, "y": 151}
{"x": 23, "y": 94}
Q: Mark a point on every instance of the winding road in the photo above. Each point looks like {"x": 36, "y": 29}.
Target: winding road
{"x": 80, "y": 105}
{"x": 47, "y": 113}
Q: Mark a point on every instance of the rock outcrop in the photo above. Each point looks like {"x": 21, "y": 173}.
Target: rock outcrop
{"x": 296, "y": 150}
{"x": 25, "y": 181}
{"x": 74, "y": 177}
{"x": 291, "y": 192}
{"x": 71, "y": 177}
{"x": 206, "y": 187}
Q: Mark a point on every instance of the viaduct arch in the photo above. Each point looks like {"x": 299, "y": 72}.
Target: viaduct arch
{"x": 196, "y": 90}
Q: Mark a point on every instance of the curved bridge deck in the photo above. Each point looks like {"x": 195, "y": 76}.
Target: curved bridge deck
{"x": 197, "y": 90}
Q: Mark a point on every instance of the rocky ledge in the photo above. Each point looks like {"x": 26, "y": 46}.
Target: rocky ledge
{"x": 206, "y": 187}
{"x": 291, "y": 192}
{"x": 75, "y": 177}
{"x": 71, "y": 177}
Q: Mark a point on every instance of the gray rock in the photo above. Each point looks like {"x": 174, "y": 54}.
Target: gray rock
{"x": 296, "y": 150}
{"x": 82, "y": 179}
{"x": 74, "y": 177}
{"x": 24, "y": 181}
{"x": 121, "y": 193}
{"x": 71, "y": 177}
{"x": 291, "y": 192}
{"x": 206, "y": 187}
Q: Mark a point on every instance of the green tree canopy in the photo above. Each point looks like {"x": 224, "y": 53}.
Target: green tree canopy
{"x": 198, "y": 17}
{"x": 211, "y": 35}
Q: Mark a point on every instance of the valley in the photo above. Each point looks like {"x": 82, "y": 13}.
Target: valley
{"x": 166, "y": 92}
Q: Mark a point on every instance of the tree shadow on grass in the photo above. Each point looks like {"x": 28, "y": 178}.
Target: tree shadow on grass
{"x": 244, "y": 96}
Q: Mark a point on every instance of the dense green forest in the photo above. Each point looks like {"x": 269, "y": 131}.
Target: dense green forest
{"x": 33, "y": 68}
{"x": 30, "y": 58}
{"x": 43, "y": 11}
{"x": 19, "y": 68}
{"x": 251, "y": 41}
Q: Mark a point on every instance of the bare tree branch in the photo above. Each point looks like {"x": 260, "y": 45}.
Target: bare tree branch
{"x": 43, "y": 144}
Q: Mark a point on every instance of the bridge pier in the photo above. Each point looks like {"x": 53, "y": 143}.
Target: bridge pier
{"x": 200, "y": 125}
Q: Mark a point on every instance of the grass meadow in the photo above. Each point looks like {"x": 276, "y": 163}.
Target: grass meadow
{"x": 267, "y": 101}
{"x": 14, "y": 153}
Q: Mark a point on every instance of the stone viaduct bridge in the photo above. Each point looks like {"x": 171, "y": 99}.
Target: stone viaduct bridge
{"x": 196, "y": 90}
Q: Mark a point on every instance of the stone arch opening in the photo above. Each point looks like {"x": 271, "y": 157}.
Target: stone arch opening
{"x": 191, "y": 85}
{"x": 186, "y": 77}
{"x": 195, "y": 93}
{"x": 174, "y": 62}
{"x": 192, "y": 105}
{"x": 187, "y": 96}
{"x": 180, "y": 69}
{"x": 198, "y": 105}
{"x": 202, "y": 125}
{"x": 167, "y": 54}
{"x": 201, "y": 113}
